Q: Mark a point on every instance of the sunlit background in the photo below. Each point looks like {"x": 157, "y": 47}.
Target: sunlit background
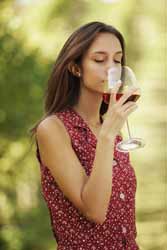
{"x": 31, "y": 34}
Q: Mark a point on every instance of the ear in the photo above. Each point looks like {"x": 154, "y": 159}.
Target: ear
{"x": 70, "y": 67}
{"x": 74, "y": 69}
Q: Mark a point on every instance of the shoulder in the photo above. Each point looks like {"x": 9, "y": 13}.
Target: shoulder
{"x": 51, "y": 126}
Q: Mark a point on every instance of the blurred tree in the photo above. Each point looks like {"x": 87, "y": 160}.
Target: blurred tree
{"x": 22, "y": 76}
{"x": 66, "y": 13}
{"x": 21, "y": 79}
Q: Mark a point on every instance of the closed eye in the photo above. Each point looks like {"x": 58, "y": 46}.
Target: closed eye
{"x": 117, "y": 61}
{"x": 99, "y": 61}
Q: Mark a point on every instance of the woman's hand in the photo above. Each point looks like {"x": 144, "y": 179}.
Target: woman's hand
{"x": 117, "y": 112}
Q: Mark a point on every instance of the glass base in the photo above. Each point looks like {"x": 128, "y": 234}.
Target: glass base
{"x": 130, "y": 144}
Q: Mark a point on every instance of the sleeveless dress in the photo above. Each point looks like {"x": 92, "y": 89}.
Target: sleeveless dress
{"x": 71, "y": 229}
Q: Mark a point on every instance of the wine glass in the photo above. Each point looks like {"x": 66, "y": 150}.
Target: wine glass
{"x": 128, "y": 79}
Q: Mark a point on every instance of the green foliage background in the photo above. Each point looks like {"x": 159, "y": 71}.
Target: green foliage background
{"x": 31, "y": 35}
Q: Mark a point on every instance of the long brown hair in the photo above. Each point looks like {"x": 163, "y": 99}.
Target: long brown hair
{"x": 63, "y": 87}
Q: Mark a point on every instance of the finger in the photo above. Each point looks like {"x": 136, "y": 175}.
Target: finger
{"x": 130, "y": 110}
{"x": 128, "y": 105}
{"x": 126, "y": 95}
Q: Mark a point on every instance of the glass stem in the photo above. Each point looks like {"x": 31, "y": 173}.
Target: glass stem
{"x": 127, "y": 123}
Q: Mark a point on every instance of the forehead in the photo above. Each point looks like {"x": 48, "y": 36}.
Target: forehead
{"x": 105, "y": 42}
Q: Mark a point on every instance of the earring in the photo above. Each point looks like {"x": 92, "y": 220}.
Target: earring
{"x": 74, "y": 70}
{"x": 78, "y": 74}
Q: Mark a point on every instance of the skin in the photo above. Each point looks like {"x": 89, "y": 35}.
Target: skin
{"x": 104, "y": 52}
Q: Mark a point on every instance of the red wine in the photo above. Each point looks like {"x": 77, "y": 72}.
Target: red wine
{"x": 132, "y": 98}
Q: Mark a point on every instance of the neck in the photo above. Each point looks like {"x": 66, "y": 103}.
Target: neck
{"x": 88, "y": 107}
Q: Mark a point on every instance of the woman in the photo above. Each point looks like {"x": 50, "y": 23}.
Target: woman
{"x": 89, "y": 187}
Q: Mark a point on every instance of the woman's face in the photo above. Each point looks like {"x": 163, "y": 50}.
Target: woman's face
{"x": 105, "y": 52}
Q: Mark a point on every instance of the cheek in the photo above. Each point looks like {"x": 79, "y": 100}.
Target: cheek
{"x": 93, "y": 75}
{"x": 92, "y": 70}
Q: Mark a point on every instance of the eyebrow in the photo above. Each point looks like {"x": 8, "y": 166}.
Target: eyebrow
{"x": 104, "y": 52}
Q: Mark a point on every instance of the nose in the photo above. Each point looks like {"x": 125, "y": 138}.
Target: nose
{"x": 110, "y": 65}
{"x": 115, "y": 67}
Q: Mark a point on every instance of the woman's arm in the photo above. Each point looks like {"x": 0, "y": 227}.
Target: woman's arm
{"x": 90, "y": 195}
{"x": 97, "y": 190}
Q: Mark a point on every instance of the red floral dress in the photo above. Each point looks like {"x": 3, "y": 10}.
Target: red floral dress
{"x": 72, "y": 230}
